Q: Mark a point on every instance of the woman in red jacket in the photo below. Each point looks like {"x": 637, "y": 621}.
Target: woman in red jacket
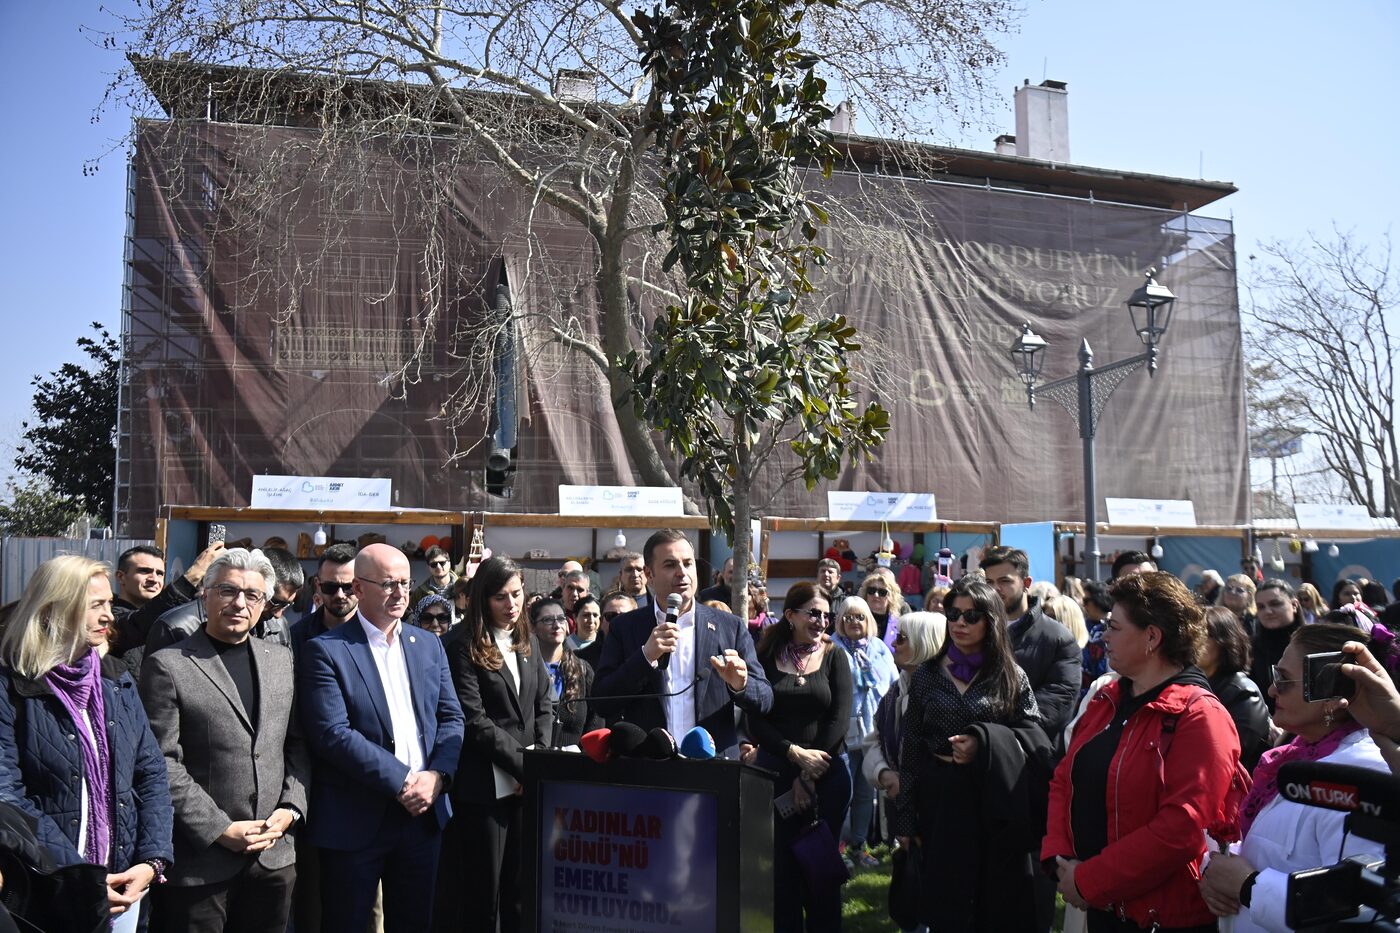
{"x": 1152, "y": 762}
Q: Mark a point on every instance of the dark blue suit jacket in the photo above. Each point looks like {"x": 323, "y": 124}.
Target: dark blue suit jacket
{"x": 355, "y": 776}
{"x": 623, "y": 671}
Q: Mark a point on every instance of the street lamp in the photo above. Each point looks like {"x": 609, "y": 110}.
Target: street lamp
{"x": 1085, "y": 393}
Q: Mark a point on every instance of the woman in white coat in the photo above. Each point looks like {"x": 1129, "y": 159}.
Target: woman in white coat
{"x": 1281, "y": 836}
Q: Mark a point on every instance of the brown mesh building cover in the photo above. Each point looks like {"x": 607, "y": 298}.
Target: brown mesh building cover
{"x": 256, "y": 347}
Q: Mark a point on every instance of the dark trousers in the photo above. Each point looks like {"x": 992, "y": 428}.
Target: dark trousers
{"x": 1102, "y": 921}
{"x": 792, "y": 897}
{"x": 490, "y": 837}
{"x": 256, "y": 900}
{"x": 402, "y": 858}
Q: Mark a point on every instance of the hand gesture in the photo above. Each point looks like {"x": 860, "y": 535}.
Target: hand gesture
{"x": 663, "y": 640}
{"x": 1376, "y": 704}
{"x": 125, "y": 889}
{"x": 964, "y": 748}
{"x": 1064, "y": 869}
{"x": 420, "y": 791}
{"x": 732, "y": 669}
{"x": 243, "y": 836}
{"x": 201, "y": 563}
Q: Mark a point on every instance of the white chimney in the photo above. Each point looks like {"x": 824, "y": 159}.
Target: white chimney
{"x": 843, "y": 121}
{"x": 1005, "y": 144}
{"x": 1042, "y": 121}
{"x": 575, "y": 84}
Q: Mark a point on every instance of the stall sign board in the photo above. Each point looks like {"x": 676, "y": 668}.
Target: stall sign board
{"x": 621, "y": 500}
{"x": 881, "y": 506}
{"x": 1159, "y": 513}
{"x": 356, "y": 493}
{"x": 1316, "y": 515}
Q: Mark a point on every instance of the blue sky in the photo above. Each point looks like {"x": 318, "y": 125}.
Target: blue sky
{"x": 1291, "y": 101}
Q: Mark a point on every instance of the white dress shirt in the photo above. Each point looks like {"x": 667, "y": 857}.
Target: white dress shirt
{"x": 387, "y": 650}
{"x": 680, "y": 710}
{"x": 504, "y": 638}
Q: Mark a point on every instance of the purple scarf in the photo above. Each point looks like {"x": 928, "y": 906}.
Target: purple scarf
{"x": 797, "y": 655}
{"x": 964, "y": 666}
{"x": 79, "y": 688}
{"x": 1265, "y": 786}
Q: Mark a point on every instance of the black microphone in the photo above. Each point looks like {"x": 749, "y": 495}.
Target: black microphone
{"x": 673, "y": 611}
{"x": 1341, "y": 787}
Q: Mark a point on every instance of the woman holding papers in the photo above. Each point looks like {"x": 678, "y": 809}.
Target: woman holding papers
{"x": 507, "y": 697}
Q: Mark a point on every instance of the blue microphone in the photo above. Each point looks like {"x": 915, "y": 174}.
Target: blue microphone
{"x": 698, "y": 743}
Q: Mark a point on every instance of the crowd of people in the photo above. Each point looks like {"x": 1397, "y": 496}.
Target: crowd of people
{"x": 177, "y": 756}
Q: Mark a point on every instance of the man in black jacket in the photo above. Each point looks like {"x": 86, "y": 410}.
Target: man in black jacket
{"x": 1049, "y": 655}
{"x": 142, "y": 600}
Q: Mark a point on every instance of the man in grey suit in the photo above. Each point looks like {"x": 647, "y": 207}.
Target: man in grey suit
{"x": 220, "y": 705}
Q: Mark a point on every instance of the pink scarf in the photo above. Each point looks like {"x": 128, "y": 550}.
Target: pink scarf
{"x": 1266, "y": 772}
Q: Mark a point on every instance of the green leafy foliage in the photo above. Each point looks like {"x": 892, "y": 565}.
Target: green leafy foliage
{"x": 71, "y": 442}
{"x": 739, "y": 113}
{"x": 33, "y": 509}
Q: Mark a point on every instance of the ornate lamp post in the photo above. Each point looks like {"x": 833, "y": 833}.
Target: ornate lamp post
{"x": 1085, "y": 393}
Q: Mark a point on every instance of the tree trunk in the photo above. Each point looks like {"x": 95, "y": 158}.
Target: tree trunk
{"x": 743, "y": 533}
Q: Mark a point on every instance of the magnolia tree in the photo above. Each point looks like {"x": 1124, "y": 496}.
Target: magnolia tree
{"x": 740, "y": 367}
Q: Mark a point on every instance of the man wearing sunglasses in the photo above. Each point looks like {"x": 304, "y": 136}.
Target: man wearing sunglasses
{"x": 336, "y": 574}
{"x": 186, "y": 619}
{"x": 440, "y": 577}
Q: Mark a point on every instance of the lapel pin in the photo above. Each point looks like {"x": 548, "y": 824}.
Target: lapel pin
{"x": 710, "y": 626}
{"x": 413, "y": 638}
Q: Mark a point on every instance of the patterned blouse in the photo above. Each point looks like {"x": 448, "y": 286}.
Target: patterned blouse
{"x": 937, "y": 711}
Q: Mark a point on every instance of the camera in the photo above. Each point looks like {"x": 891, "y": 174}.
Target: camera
{"x": 1323, "y": 678}
{"x": 1321, "y": 899}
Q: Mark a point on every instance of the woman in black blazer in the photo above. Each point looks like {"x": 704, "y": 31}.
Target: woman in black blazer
{"x": 570, "y": 675}
{"x": 507, "y": 695}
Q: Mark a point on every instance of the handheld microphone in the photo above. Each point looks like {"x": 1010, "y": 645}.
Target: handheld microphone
{"x": 673, "y": 611}
{"x": 1341, "y": 787}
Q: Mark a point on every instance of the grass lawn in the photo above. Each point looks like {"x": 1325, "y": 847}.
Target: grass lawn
{"x": 864, "y": 899}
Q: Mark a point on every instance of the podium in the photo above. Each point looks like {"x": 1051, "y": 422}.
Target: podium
{"x": 637, "y": 844}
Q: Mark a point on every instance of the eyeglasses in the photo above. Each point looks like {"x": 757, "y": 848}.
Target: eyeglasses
{"x": 229, "y": 592}
{"x": 438, "y": 563}
{"x": 848, "y": 619}
{"x": 277, "y": 603}
{"x": 436, "y": 618}
{"x": 388, "y": 586}
{"x": 553, "y": 622}
{"x": 612, "y": 614}
{"x": 901, "y": 639}
{"x": 1281, "y": 683}
{"x": 877, "y": 591}
{"x": 816, "y": 615}
{"x": 330, "y": 588}
{"x": 966, "y": 616}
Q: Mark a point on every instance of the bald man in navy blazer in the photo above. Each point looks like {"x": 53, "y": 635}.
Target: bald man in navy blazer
{"x": 707, "y": 648}
{"x": 385, "y": 729}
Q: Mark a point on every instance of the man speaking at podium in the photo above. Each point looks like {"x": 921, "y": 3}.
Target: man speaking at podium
{"x": 703, "y": 657}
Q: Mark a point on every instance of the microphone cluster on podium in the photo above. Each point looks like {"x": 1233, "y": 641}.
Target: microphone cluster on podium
{"x": 627, "y": 740}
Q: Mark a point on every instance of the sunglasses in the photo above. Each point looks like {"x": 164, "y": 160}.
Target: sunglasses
{"x": 330, "y": 588}
{"x": 901, "y": 639}
{"x": 877, "y": 591}
{"x": 612, "y": 614}
{"x": 816, "y": 615}
{"x": 1280, "y": 682}
{"x": 438, "y": 563}
{"x": 966, "y": 616}
{"x": 436, "y": 618}
{"x": 277, "y": 604}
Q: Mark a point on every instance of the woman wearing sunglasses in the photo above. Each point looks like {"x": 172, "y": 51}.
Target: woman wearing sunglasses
{"x": 886, "y": 602}
{"x": 1281, "y": 836}
{"x": 572, "y": 675}
{"x": 1152, "y": 766}
{"x": 1238, "y": 597}
{"x": 433, "y": 614}
{"x": 971, "y": 753}
{"x": 803, "y": 739}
